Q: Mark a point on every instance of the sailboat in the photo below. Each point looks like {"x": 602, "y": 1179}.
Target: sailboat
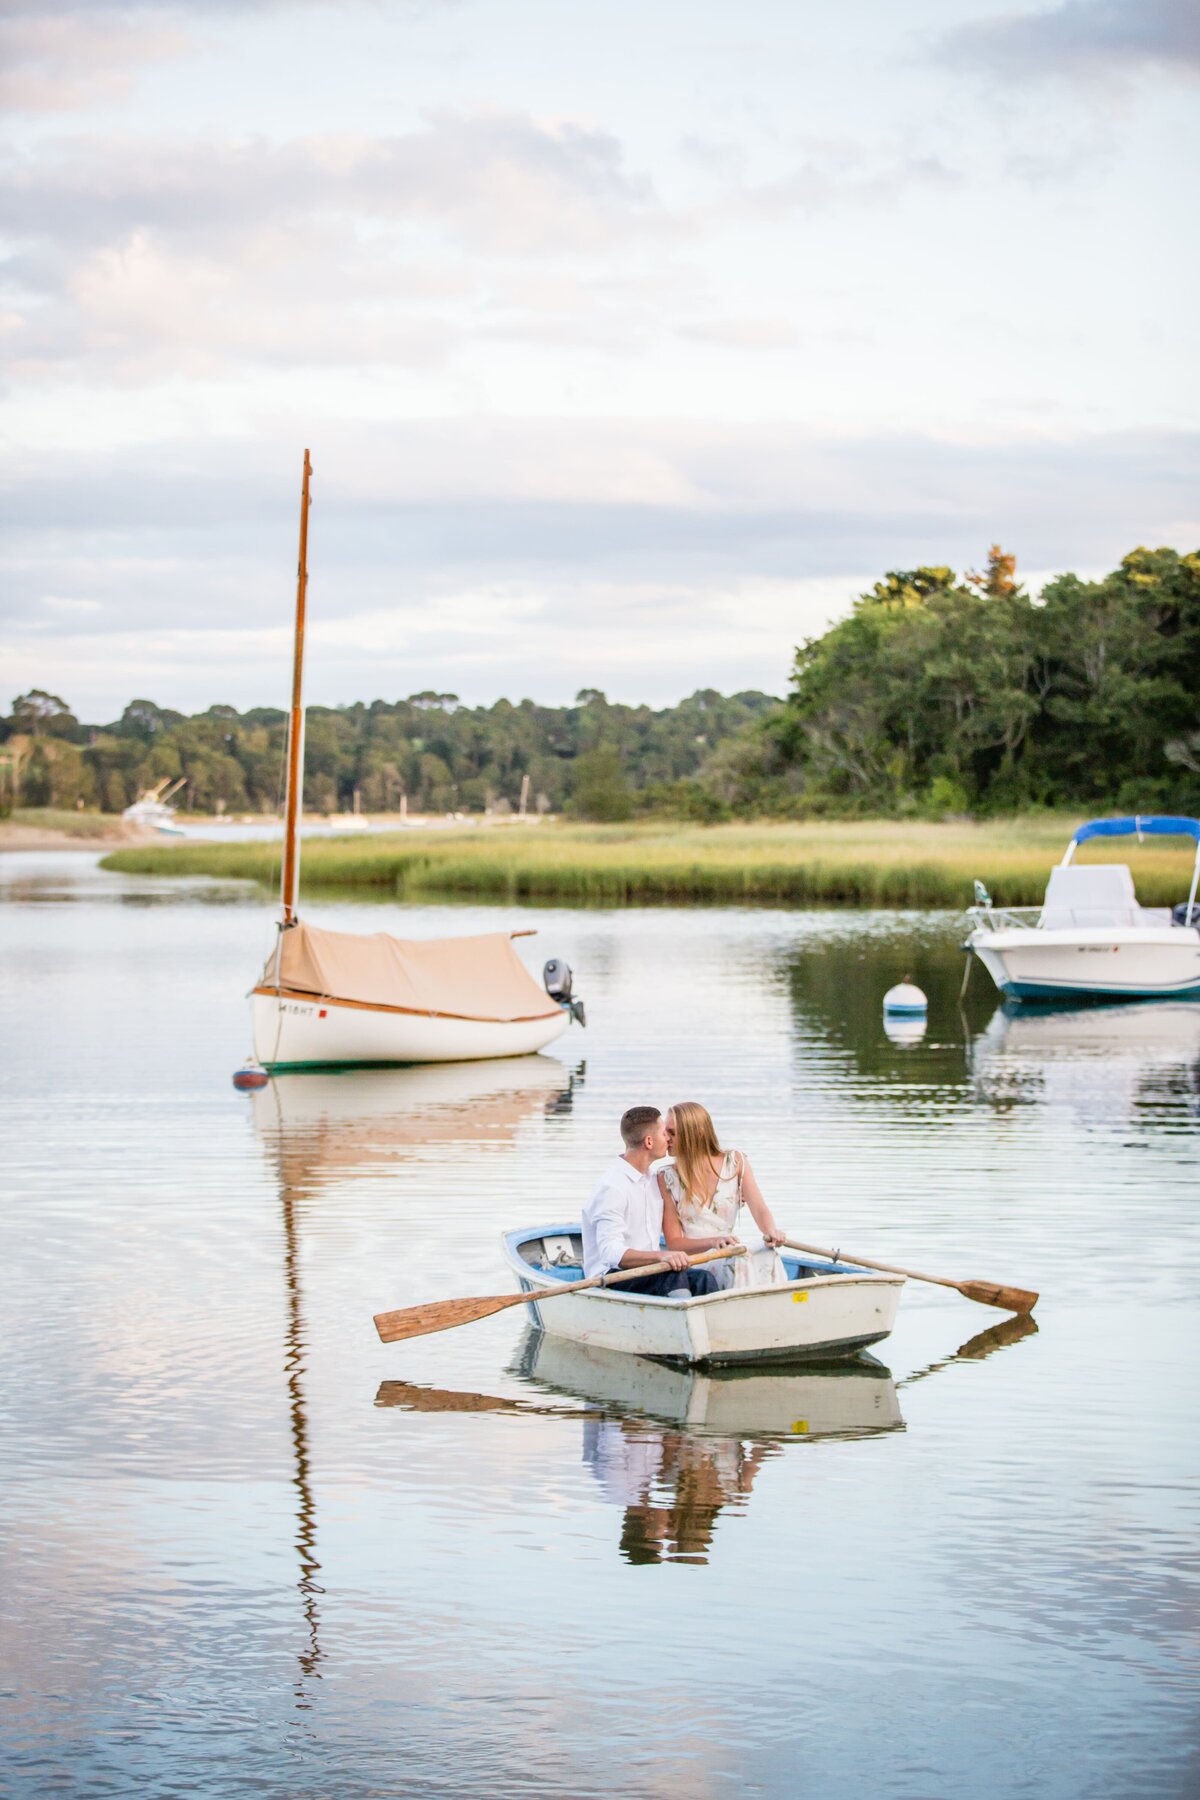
{"x": 338, "y": 999}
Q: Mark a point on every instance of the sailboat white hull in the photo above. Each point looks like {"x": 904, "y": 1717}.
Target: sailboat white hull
{"x": 291, "y": 1032}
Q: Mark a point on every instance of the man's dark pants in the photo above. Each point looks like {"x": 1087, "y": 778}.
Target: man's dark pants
{"x": 697, "y": 1281}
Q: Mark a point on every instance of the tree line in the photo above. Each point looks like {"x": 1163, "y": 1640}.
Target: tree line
{"x": 936, "y": 694}
{"x": 942, "y": 694}
{"x": 431, "y": 753}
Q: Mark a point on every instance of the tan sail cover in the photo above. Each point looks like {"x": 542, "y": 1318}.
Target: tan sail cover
{"x": 460, "y": 978}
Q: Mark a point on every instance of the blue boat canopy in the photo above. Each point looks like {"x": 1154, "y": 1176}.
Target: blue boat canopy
{"x": 1156, "y": 825}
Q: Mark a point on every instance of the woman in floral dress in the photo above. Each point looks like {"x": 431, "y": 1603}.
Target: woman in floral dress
{"x": 703, "y": 1191}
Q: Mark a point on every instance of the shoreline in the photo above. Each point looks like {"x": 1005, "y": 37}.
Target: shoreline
{"x": 42, "y": 837}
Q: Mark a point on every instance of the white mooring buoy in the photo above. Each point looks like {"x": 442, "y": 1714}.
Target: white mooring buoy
{"x": 905, "y": 1000}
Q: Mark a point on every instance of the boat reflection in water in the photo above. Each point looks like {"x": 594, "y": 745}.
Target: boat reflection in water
{"x": 324, "y": 1128}
{"x": 674, "y": 1448}
{"x": 1104, "y": 1063}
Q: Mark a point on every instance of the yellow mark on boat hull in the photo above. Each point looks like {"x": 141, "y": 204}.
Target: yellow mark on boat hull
{"x": 797, "y": 1298}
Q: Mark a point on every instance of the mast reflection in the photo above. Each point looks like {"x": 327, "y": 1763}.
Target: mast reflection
{"x": 306, "y": 1516}
{"x": 322, "y": 1129}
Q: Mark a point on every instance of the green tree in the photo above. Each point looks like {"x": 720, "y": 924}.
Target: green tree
{"x": 39, "y": 714}
{"x": 601, "y": 791}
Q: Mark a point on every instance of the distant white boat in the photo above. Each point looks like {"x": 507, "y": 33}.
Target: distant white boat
{"x": 151, "y": 811}
{"x": 825, "y": 1310}
{"x": 1090, "y": 939}
{"x": 349, "y": 822}
{"x": 343, "y": 999}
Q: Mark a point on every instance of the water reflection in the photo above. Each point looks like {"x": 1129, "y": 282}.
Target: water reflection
{"x": 1103, "y": 1063}
{"x": 904, "y": 1031}
{"x": 324, "y": 1128}
{"x": 306, "y": 1513}
{"x": 674, "y": 1448}
{"x": 837, "y": 981}
{"x": 984, "y": 1344}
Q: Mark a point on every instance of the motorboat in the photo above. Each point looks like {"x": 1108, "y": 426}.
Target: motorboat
{"x": 1090, "y": 939}
{"x": 150, "y": 809}
{"x": 825, "y": 1309}
{"x": 340, "y": 999}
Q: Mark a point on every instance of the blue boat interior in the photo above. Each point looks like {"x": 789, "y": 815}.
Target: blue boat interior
{"x": 555, "y": 1252}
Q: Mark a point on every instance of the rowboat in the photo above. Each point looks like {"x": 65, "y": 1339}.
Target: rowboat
{"x": 825, "y": 1309}
{"x": 339, "y": 999}
{"x": 1090, "y": 939}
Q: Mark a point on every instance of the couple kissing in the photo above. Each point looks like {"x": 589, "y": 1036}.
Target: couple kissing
{"x": 691, "y": 1203}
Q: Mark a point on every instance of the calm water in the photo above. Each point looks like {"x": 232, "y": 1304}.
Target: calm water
{"x": 247, "y": 1550}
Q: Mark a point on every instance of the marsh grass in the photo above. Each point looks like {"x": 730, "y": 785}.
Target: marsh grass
{"x": 860, "y": 863}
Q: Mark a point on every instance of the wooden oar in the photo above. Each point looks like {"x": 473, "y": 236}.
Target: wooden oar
{"x": 443, "y": 1315}
{"x": 988, "y": 1293}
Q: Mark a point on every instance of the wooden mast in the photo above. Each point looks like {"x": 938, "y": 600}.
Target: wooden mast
{"x": 295, "y": 770}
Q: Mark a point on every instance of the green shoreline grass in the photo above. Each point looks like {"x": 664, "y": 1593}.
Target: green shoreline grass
{"x": 858, "y": 863}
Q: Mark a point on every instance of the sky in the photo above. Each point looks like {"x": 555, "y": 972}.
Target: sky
{"x": 630, "y": 341}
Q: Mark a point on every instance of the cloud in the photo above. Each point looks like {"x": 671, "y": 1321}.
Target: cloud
{"x": 70, "y": 55}
{"x": 144, "y": 256}
{"x": 59, "y": 61}
{"x": 1101, "y": 41}
{"x": 867, "y": 172}
{"x": 533, "y": 557}
{"x": 500, "y": 182}
{"x": 742, "y": 334}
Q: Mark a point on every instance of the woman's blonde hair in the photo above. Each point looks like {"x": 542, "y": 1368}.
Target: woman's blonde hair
{"x": 695, "y": 1148}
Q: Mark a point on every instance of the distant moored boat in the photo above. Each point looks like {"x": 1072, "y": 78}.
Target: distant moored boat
{"x": 1090, "y": 939}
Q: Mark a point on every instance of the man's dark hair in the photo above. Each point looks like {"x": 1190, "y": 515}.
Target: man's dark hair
{"x": 636, "y": 1123}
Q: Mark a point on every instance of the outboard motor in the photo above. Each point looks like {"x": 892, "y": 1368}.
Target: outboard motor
{"x": 558, "y": 982}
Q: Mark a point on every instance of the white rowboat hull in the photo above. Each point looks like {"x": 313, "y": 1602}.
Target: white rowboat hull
{"x": 294, "y": 1033}
{"x": 832, "y": 1315}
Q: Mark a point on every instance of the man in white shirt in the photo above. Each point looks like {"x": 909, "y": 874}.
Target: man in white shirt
{"x": 622, "y": 1221}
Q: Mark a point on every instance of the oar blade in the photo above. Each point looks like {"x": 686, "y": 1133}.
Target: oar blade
{"x": 990, "y": 1293}
{"x": 441, "y": 1315}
